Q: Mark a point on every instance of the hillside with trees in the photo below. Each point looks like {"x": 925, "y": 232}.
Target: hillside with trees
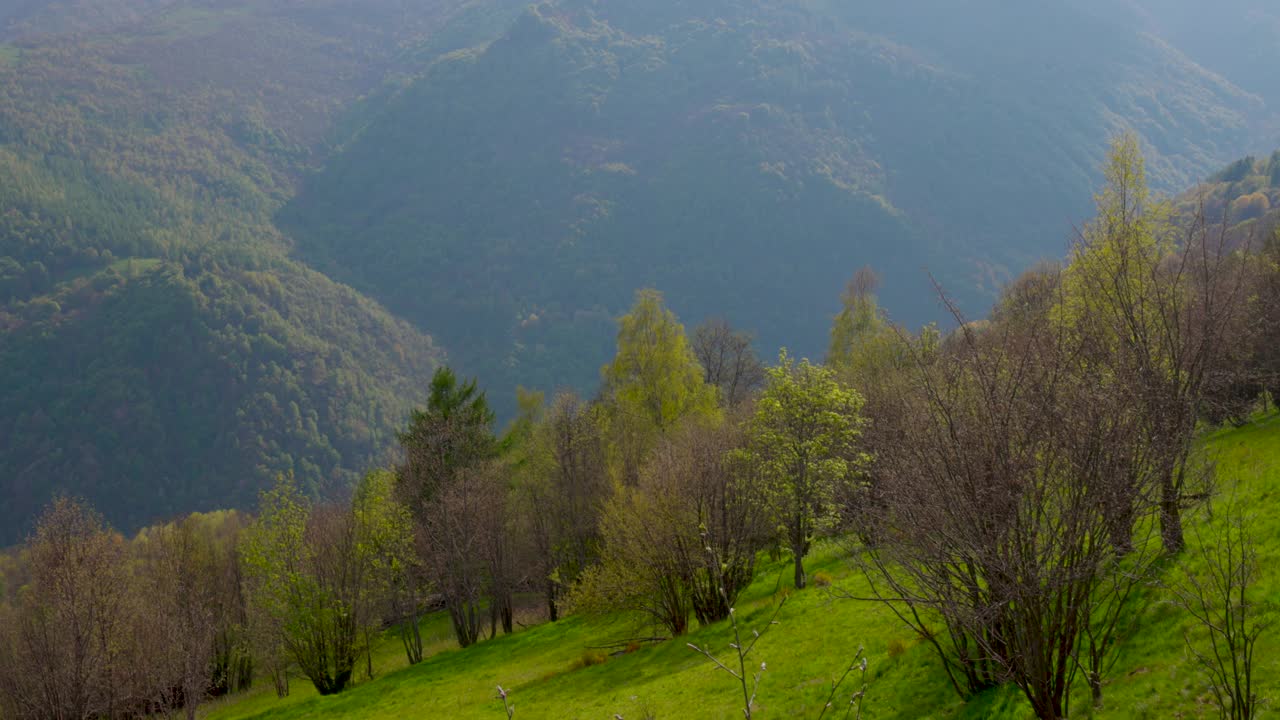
{"x": 1064, "y": 509}
{"x": 161, "y": 350}
{"x": 744, "y": 157}
{"x": 237, "y": 238}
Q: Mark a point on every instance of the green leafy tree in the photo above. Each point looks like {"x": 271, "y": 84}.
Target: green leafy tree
{"x": 804, "y": 437}
{"x": 863, "y": 344}
{"x": 1159, "y": 305}
{"x": 386, "y": 545}
{"x": 563, "y": 485}
{"x": 454, "y": 485}
{"x": 453, "y": 432}
{"x": 272, "y": 552}
{"x": 653, "y": 383}
{"x": 319, "y": 575}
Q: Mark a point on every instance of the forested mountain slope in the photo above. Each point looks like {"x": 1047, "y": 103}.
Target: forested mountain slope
{"x": 188, "y": 188}
{"x": 160, "y": 351}
{"x": 744, "y": 156}
{"x": 1238, "y": 39}
{"x": 1245, "y": 195}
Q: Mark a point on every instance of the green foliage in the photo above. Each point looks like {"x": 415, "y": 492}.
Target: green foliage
{"x": 1130, "y": 234}
{"x": 317, "y": 575}
{"x": 655, "y": 376}
{"x": 163, "y": 388}
{"x": 453, "y": 433}
{"x": 1154, "y": 678}
{"x": 653, "y": 383}
{"x": 385, "y": 535}
{"x": 159, "y": 350}
{"x": 804, "y": 438}
{"x": 863, "y": 345}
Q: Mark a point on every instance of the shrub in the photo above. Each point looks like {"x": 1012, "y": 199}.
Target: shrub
{"x": 592, "y": 657}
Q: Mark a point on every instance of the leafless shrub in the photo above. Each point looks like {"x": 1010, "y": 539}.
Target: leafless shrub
{"x": 1217, "y": 587}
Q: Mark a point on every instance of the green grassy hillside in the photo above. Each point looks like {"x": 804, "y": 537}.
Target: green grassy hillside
{"x": 817, "y": 635}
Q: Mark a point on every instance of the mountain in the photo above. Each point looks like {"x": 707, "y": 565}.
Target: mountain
{"x": 236, "y": 236}
{"x": 1238, "y": 39}
{"x": 160, "y": 349}
{"x": 745, "y": 157}
{"x": 1246, "y": 194}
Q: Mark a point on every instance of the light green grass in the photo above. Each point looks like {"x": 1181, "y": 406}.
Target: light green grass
{"x": 816, "y": 636}
{"x": 9, "y": 54}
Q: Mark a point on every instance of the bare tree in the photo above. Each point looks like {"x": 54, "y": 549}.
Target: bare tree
{"x": 60, "y": 654}
{"x": 459, "y": 529}
{"x": 1217, "y": 587}
{"x": 728, "y": 360}
{"x": 993, "y": 520}
{"x": 178, "y": 581}
{"x": 724, "y": 496}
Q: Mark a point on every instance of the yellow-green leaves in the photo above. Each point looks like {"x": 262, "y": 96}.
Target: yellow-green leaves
{"x": 655, "y": 376}
{"x": 804, "y": 439}
{"x": 652, "y": 384}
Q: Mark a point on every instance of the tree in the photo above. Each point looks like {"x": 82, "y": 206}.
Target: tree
{"x": 453, "y": 432}
{"x": 385, "y": 543}
{"x": 804, "y": 439}
{"x": 684, "y": 539}
{"x": 564, "y": 485}
{"x": 728, "y": 361}
{"x": 1219, "y": 593}
{"x": 60, "y": 652}
{"x": 273, "y": 554}
{"x": 180, "y": 575}
{"x": 995, "y": 510}
{"x": 1158, "y": 302}
{"x": 642, "y": 570}
{"x": 867, "y": 353}
{"x": 449, "y": 467}
{"x": 723, "y": 499}
{"x": 1266, "y": 355}
{"x": 459, "y": 529}
{"x": 319, "y": 574}
{"x": 862, "y": 343}
{"x": 652, "y": 384}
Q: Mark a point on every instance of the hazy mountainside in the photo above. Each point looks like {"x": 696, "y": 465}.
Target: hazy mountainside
{"x": 744, "y": 156}
{"x": 159, "y": 350}
{"x": 1239, "y": 39}
{"x": 184, "y": 184}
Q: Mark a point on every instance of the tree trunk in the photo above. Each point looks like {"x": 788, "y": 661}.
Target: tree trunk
{"x": 281, "y": 680}
{"x": 411, "y": 637}
{"x": 552, "y": 612}
{"x": 800, "y": 578}
{"x": 1171, "y": 515}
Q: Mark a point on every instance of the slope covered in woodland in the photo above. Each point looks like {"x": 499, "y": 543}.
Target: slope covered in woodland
{"x": 235, "y": 236}
{"x": 160, "y": 350}
{"x": 744, "y": 156}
